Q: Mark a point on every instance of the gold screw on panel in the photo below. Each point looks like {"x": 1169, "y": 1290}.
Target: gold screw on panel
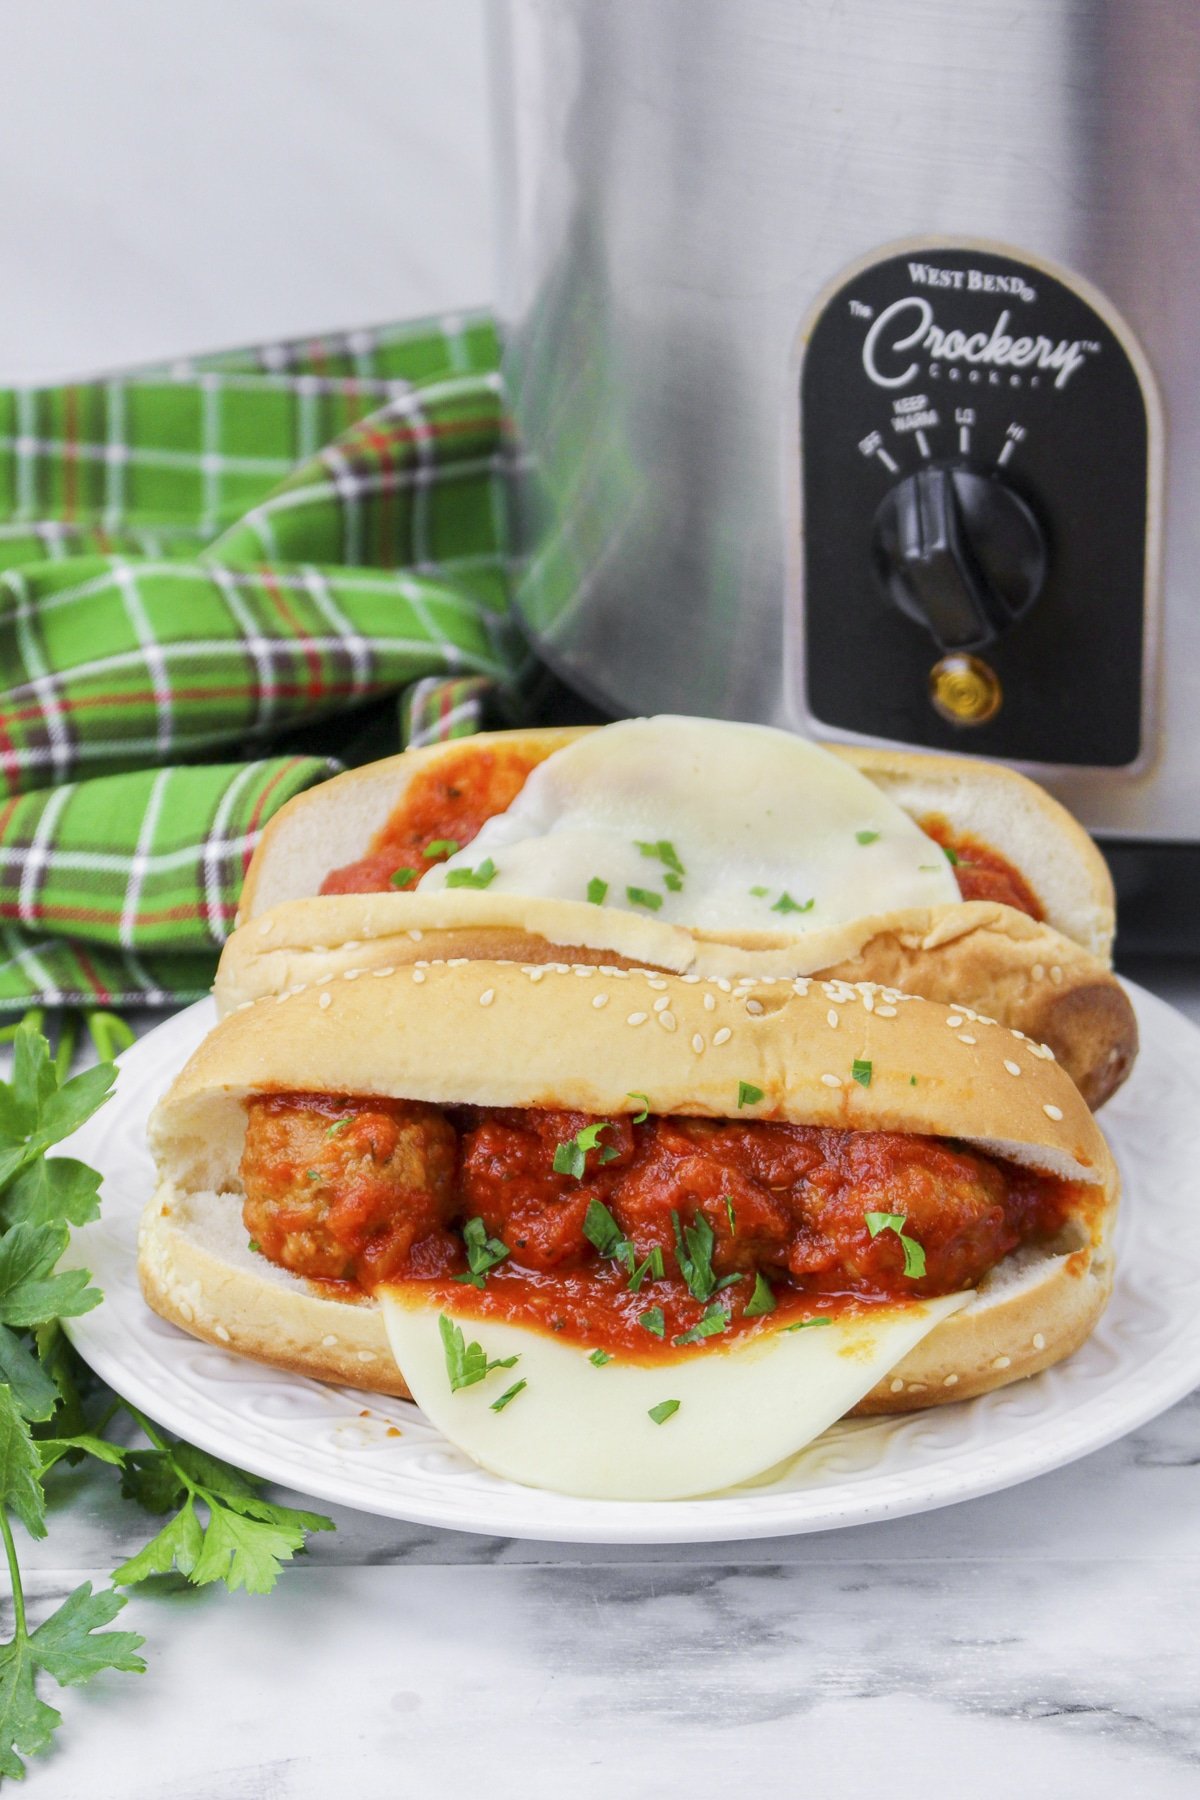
{"x": 965, "y": 690}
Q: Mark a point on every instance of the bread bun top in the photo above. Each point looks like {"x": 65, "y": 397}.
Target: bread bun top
{"x": 597, "y": 1039}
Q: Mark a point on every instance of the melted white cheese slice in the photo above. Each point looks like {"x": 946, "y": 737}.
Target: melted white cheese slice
{"x": 744, "y": 808}
{"x": 579, "y": 1429}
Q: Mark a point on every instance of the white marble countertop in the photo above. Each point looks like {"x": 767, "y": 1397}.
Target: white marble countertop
{"x": 1039, "y": 1642}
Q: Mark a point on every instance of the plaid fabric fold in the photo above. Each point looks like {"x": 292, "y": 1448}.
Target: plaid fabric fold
{"x": 200, "y": 559}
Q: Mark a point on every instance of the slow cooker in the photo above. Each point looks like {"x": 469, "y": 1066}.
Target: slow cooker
{"x": 853, "y": 361}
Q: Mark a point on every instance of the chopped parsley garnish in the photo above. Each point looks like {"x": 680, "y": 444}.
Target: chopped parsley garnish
{"x": 570, "y": 1158}
{"x": 673, "y": 881}
{"x": 312, "y": 1174}
{"x": 761, "y": 1301}
{"x": 912, "y": 1081}
{"x": 483, "y": 1252}
{"x": 640, "y": 1118}
{"x": 914, "y": 1255}
{"x": 713, "y": 1320}
{"x": 729, "y": 1214}
{"x": 860, "y": 1071}
{"x": 665, "y": 853}
{"x": 693, "y": 1252}
{"x": 785, "y": 904}
{"x": 253, "y": 1245}
{"x": 508, "y": 1394}
{"x": 653, "y": 1321}
{"x": 598, "y": 1358}
{"x": 665, "y": 1410}
{"x": 472, "y": 878}
{"x": 803, "y": 1324}
{"x": 401, "y": 877}
{"x": 643, "y": 897}
{"x": 865, "y": 837}
{"x": 466, "y": 1363}
{"x": 950, "y": 855}
{"x": 760, "y": 893}
{"x": 602, "y": 1230}
{"x": 596, "y": 891}
{"x": 748, "y": 1094}
{"x": 339, "y": 1125}
{"x": 442, "y": 847}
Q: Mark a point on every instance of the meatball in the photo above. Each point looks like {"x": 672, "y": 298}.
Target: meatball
{"x": 508, "y": 1178}
{"x": 349, "y": 1189}
{"x": 952, "y": 1201}
{"x": 694, "y": 1166}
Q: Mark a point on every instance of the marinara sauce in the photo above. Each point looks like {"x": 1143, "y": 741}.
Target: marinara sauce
{"x": 623, "y": 1234}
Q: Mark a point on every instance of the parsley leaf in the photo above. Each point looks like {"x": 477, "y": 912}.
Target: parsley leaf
{"x": 785, "y": 904}
{"x": 748, "y": 1094}
{"x": 803, "y": 1324}
{"x": 466, "y": 1363}
{"x": 914, "y": 1254}
{"x": 950, "y": 855}
{"x": 714, "y": 1319}
{"x": 442, "y": 847}
{"x": 400, "y": 878}
{"x": 483, "y": 1252}
{"x": 596, "y": 890}
{"x": 570, "y": 1158}
{"x": 693, "y": 1252}
{"x": 664, "y": 852}
{"x": 654, "y": 1321}
{"x": 760, "y": 893}
{"x": 640, "y": 1118}
{"x": 601, "y": 1229}
{"x": 730, "y": 1214}
{"x": 865, "y": 837}
{"x": 598, "y": 1358}
{"x": 472, "y": 878}
{"x": 665, "y": 1410}
{"x": 861, "y": 1072}
{"x": 508, "y": 1394}
{"x": 761, "y": 1301}
{"x": 646, "y": 897}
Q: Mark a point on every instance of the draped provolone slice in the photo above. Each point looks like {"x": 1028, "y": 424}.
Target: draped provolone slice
{"x": 746, "y": 828}
{"x": 579, "y": 1428}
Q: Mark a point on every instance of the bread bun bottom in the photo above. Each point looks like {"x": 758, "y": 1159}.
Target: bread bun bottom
{"x": 198, "y": 1272}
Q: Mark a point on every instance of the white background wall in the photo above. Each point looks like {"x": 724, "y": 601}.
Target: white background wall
{"x": 183, "y": 175}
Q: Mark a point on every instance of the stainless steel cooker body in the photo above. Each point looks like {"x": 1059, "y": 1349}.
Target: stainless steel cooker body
{"x": 853, "y": 354}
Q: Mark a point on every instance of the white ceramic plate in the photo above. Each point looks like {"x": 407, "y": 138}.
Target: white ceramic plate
{"x": 382, "y": 1456}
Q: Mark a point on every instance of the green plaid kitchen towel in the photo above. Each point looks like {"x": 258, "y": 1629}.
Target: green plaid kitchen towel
{"x": 196, "y": 561}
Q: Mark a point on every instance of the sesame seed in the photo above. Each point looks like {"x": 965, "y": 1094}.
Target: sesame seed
{"x": 418, "y": 974}
{"x": 599, "y": 1000}
{"x": 954, "y": 1021}
{"x": 353, "y": 974}
{"x": 1056, "y": 975}
{"x": 710, "y": 1004}
{"x": 321, "y": 980}
{"x": 698, "y": 1044}
{"x": 831, "y": 1019}
{"x": 487, "y": 996}
{"x": 967, "y": 1039}
{"x": 756, "y": 1007}
{"x": 832, "y": 1080}
{"x": 1039, "y": 1342}
{"x": 726, "y": 987}
{"x": 638, "y": 1018}
{"x": 1052, "y": 1112}
{"x": 723, "y": 1036}
{"x": 897, "y": 1386}
{"x": 583, "y": 969}
{"x": 1012, "y": 1067}
{"x": 366, "y": 1356}
{"x": 885, "y": 1012}
{"x": 667, "y": 1020}
{"x": 801, "y": 985}
{"x": 1002, "y": 1362}
{"x": 324, "y": 999}
{"x": 280, "y": 998}
{"x": 244, "y": 1004}
{"x": 267, "y": 926}
{"x": 329, "y": 1341}
{"x": 662, "y": 1004}
{"x": 917, "y": 1387}
{"x": 460, "y": 962}
{"x": 415, "y": 935}
{"x": 1039, "y": 971}
{"x": 868, "y": 1001}
{"x": 221, "y": 1333}
{"x": 387, "y": 969}
{"x": 352, "y": 944}
{"x": 535, "y": 975}
{"x": 950, "y": 1381}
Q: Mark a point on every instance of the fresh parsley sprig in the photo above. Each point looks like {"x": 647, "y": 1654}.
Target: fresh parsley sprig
{"x": 914, "y": 1254}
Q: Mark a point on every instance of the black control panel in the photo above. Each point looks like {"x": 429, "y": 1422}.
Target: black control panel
{"x": 974, "y": 461}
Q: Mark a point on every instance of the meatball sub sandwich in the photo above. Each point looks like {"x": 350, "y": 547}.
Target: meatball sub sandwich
{"x": 627, "y": 1233}
{"x": 704, "y": 847}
